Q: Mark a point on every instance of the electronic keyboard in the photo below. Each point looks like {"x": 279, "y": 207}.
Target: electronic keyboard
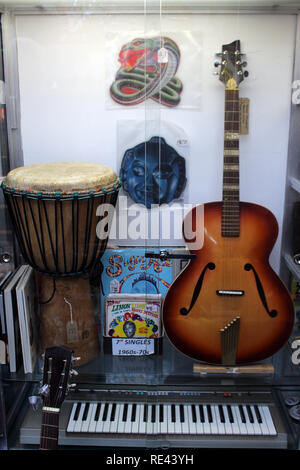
{"x": 168, "y": 418}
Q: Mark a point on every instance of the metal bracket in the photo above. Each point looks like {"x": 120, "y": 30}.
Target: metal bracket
{"x": 164, "y": 254}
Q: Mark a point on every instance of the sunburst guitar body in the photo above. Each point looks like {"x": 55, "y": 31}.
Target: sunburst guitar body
{"x": 228, "y": 306}
{"x": 230, "y": 280}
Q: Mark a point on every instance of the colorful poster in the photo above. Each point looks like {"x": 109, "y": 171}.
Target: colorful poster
{"x": 128, "y": 271}
{"x": 133, "y": 316}
{"x": 148, "y": 68}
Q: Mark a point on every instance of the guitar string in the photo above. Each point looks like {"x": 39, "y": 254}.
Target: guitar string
{"x": 50, "y": 420}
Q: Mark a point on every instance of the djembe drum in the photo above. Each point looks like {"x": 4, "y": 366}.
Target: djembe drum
{"x": 55, "y": 212}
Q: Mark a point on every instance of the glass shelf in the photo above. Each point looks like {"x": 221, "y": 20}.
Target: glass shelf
{"x": 168, "y": 369}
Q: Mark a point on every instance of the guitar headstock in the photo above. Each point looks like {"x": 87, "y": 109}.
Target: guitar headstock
{"x": 231, "y": 65}
{"x": 56, "y": 375}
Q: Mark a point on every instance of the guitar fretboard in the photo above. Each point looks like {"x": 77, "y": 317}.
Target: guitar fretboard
{"x": 231, "y": 193}
{"x": 49, "y": 431}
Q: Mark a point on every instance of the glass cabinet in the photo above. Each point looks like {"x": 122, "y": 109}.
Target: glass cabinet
{"x": 150, "y": 237}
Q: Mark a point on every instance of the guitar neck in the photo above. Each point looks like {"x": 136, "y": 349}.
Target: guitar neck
{"x": 49, "y": 430}
{"x": 231, "y": 177}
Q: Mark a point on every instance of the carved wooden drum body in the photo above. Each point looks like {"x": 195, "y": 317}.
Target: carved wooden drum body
{"x": 61, "y": 212}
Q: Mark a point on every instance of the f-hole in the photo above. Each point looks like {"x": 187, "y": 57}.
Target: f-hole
{"x": 197, "y": 290}
{"x": 272, "y": 313}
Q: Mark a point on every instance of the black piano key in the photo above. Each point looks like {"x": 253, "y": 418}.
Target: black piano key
{"x": 133, "y": 412}
{"x": 221, "y": 412}
{"x": 230, "y": 415}
{"x": 181, "y": 410}
{"x": 85, "y": 413}
{"x": 113, "y": 412}
{"x": 153, "y": 414}
{"x": 241, "y": 410}
{"x": 104, "y": 417}
{"x": 201, "y": 411}
{"x": 97, "y": 412}
{"x": 173, "y": 413}
{"x": 251, "y": 419}
{"x": 77, "y": 411}
{"x": 258, "y": 415}
{"x": 161, "y": 413}
{"x": 145, "y": 413}
{"x": 194, "y": 416}
{"x": 125, "y": 412}
{"x": 209, "y": 413}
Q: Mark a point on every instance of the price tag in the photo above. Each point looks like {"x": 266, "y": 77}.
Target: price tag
{"x": 162, "y": 55}
{"x": 244, "y": 115}
{"x": 132, "y": 346}
{"x": 72, "y": 332}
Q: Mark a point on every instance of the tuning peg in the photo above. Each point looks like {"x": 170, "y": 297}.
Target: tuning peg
{"x": 76, "y": 359}
{"x": 44, "y": 390}
{"x": 246, "y": 73}
{"x": 35, "y": 401}
{"x": 244, "y": 64}
{"x": 73, "y": 372}
{"x": 216, "y": 63}
{"x": 72, "y": 385}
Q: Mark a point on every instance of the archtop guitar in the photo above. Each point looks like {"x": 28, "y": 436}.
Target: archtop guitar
{"x": 228, "y": 306}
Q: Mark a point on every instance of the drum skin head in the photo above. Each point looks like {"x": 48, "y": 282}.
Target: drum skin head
{"x": 65, "y": 177}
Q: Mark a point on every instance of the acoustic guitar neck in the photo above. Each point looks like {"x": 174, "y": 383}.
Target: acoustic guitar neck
{"x": 231, "y": 174}
{"x": 49, "y": 430}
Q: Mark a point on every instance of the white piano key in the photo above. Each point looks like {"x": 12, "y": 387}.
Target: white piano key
{"x": 269, "y": 420}
{"x": 128, "y": 422}
{"x": 249, "y": 425}
{"x": 136, "y": 422}
{"x": 71, "y": 423}
{"x": 228, "y": 427}
{"x": 263, "y": 425}
{"x": 156, "y": 422}
{"x": 214, "y": 424}
{"x": 242, "y": 424}
{"x": 78, "y": 423}
{"x": 158, "y": 419}
{"x": 199, "y": 425}
{"x": 93, "y": 422}
{"x": 206, "y": 424}
{"x": 99, "y": 425}
{"x": 221, "y": 426}
{"x": 177, "y": 422}
{"x": 237, "y": 425}
{"x": 256, "y": 426}
{"x": 106, "y": 423}
{"x": 192, "y": 424}
{"x": 114, "y": 424}
{"x": 122, "y": 423}
{"x": 171, "y": 424}
{"x": 149, "y": 426}
{"x": 185, "y": 426}
{"x": 143, "y": 424}
{"x": 86, "y": 422}
{"x": 164, "y": 424}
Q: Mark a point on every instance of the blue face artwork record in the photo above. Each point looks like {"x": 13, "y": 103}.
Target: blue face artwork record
{"x": 153, "y": 173}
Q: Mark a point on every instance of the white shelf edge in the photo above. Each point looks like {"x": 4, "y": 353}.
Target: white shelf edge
{"x": 293, "y": 267}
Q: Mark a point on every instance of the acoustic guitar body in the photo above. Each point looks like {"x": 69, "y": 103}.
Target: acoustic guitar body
{"x": 230, "y": 280}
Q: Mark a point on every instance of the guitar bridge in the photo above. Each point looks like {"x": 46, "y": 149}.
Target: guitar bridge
{"x": 232, "y": 293}
{"x": 229, "y": 342}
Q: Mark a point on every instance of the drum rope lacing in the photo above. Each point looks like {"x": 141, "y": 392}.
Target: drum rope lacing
{"x": 31, "y": 211}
